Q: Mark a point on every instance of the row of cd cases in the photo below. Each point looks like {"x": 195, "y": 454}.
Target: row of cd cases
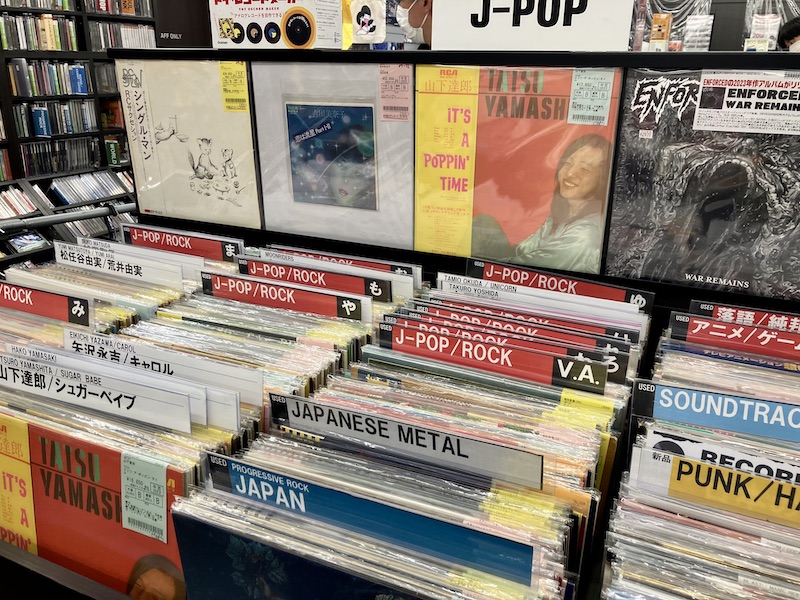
{"x": 455, "y": 441}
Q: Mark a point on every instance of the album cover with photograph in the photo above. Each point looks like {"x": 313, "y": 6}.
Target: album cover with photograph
{"x": 514, "y": 164}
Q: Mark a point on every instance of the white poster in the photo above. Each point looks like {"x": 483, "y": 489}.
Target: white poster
{"x": 276, "y": 24}
{"x": 749, "y": 102}
{"x": 191, "y": 139}
{"x": 543, "y": 25}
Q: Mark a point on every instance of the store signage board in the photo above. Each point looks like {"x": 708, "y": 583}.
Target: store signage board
{"x": 542, "y": 25}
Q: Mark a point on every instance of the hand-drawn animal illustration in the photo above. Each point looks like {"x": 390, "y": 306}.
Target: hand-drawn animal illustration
{"x": 228, "y": 166}
{"x": 203, "y": 167}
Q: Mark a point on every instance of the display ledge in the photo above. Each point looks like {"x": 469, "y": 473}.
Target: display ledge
{"x": 27, "y": 215}
{"x": 120, "y": 18}
{"x": 58, "y": 136}
{"x": 58, "y": 174}
{"x": 34, "y": 577}
{"x": 45, "y": 97}
{"x": 21, "y": 10}
{"x": 653, "y": 60}
{"x": 64, "y": 55}
{"x": 64, "y": 207}
{"x": 7, "y": 182}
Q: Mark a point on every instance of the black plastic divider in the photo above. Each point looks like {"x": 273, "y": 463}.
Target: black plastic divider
{"x": 28, "y": 576}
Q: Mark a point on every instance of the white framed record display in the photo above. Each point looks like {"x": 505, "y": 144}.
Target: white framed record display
{"x": 336, "y": 150}
{"x": 191, "y": 139}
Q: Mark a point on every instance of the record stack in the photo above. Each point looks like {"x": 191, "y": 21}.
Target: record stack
{"x": 93, "y": 449}
{"x": 250, "y": 330}
{"x": 105, "y": 416}
{"x": 464, "y": 456}
{"x": 710, "y": 507}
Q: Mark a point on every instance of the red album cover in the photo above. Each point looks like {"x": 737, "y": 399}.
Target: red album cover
{"x": 515, "y": 164}
{"x": 80, "y": 508}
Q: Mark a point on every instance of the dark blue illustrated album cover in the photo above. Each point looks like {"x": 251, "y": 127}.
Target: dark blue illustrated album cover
{"x": 220, "y": 564}
{"x": 332, "y": 154}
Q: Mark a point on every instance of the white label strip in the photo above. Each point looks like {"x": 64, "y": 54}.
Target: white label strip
{"x": 191, "y": 266}
{"x": 62, "y": 358}
{"x": 402, "y": 285}
{"x": 469, "y": 454}
{"x": 102, "y": 393}
{"x": 118, "y": 264}
{"x": 246, "y": 382}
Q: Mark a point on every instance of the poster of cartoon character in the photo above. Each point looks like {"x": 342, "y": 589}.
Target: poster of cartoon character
{"x": 191, "y": 140}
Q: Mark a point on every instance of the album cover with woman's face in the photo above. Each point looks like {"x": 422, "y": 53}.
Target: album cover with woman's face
{"x": 332, "y": 154}
{"x": 514, "y": 164}
{"x": 90, "y": 508}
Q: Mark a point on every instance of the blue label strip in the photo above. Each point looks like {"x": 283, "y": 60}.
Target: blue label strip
{"x": 771, "y": 420}
{"x": 453, "y": 543}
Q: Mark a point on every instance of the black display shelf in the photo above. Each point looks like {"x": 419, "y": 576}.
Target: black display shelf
{"x": 64, "y": 207}
{"x": 37, "y": 178}
{"x": 630, "y": 60}
{"x": 7, "y": 182}
{"x": 31, "y": 576}
{"x": 21, "y": 10}
{"x": 59, "y": 136}
{"x": 39, "y": 254}
{"x": 43, "y": 97}
{"x": 64, "y": 55}
{"x": 120, "y": 18}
